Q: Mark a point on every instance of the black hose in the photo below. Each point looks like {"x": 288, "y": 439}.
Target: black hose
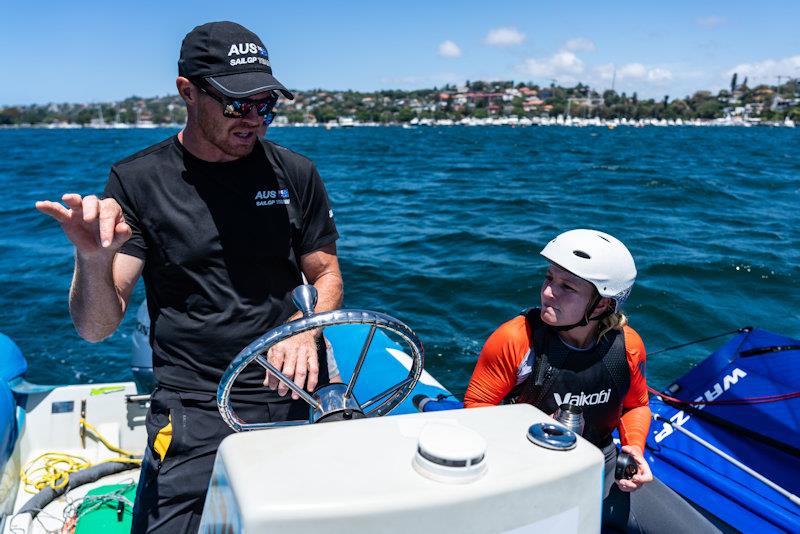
{"x": 419, "y": 401}
{"x": 91, "y": 474}
{"x": 737, "y": 331}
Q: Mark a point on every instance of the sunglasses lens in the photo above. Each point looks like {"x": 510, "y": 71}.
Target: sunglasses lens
{"x": 233, "y": 110}
{"x": 236, "y": 109}
{"x": 264, "y": 107}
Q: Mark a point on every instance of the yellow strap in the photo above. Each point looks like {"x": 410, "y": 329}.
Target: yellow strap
{"x": 163, "y": 439}
{"x": 103, "y": 440}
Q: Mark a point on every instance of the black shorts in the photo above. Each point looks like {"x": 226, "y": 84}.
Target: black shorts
{"x": 183, "y": 433}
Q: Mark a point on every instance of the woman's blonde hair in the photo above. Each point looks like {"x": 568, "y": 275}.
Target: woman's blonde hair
{"x": 615, "y": 321}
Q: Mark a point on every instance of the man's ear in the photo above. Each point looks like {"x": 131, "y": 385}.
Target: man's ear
{"x": 186, "y": 90}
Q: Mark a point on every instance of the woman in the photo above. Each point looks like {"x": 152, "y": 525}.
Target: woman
{"x": 578, "y": 349}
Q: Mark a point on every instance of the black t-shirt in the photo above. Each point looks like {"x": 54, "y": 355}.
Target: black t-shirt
{"x": 221, "y": 244}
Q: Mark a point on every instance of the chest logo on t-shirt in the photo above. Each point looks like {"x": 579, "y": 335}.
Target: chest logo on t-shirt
{"x": 271, "y": 197}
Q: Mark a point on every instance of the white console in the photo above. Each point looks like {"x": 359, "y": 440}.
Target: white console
{"x": 368, "y": 476}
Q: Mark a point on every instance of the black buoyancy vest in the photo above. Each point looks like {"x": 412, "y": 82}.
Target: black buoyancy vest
{"x": 596, "y": 379}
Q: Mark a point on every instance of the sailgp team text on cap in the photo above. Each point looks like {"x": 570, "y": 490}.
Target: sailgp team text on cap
{"x": 248, "y": 48}
{"x": 231, "y": 58}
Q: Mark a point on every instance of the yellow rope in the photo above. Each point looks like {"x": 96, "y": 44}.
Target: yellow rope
{"x": 57, "y": 466}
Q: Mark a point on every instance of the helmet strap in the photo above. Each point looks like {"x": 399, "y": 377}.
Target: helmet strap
{"x": 586, "y": 316}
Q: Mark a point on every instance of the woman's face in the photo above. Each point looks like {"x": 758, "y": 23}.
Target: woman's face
{"x": 564, "y": 297}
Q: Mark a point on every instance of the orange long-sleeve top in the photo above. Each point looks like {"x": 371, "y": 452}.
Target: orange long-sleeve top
{"x": 505, "y": 362}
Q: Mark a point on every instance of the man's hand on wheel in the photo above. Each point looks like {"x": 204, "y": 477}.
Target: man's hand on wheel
{"x": 295, "y": 357}
{"x": 96, "y": 227}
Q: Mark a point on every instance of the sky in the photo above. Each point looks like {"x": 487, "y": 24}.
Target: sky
{"x": 91, "y": 51}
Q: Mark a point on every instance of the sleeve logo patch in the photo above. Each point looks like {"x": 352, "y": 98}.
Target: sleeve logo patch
{"x": 272, "y": 197}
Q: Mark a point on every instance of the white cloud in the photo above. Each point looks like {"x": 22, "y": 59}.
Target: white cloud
{"x": 659, "y": 75}
{"x": 633, "y": 71}
{"x": 563, "y": 65}
{"x": 449, "y": 49}
{"x": 580, "y": 44}
{"x": 504, "y": 37}
{"x": 567, "y": 61}
{"x": 768, "y": 70}
{"x": 711, "y": 22}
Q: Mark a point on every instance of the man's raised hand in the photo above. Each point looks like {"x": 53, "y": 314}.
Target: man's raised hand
{"x": 93, "y": 225}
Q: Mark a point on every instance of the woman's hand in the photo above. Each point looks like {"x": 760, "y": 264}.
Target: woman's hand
{"x": 642, "y": 476}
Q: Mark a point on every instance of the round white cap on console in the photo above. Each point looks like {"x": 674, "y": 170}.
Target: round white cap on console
{"x": 450, "y": 453}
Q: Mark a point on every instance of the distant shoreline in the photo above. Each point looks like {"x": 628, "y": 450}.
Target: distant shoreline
{"x": 346, "y": 122}
{"x": 480, "y": 103}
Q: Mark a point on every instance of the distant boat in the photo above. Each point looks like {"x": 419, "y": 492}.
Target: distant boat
{"x": 98, "y": 123}
{"x": 143, "y": 123}
{"x": 146, "y": 123}
{"x": 118, "y": 124}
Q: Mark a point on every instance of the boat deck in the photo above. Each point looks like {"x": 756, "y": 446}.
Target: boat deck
{"x": 52, "y": 425}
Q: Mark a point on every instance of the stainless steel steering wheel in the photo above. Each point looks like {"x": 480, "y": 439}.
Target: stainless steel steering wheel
{"x": 332, "y": 401}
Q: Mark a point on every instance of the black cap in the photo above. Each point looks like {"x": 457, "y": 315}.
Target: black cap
{"x": 231, "y": 58}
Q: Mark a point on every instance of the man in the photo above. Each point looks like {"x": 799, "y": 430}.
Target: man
{"x": 222, "y": 225}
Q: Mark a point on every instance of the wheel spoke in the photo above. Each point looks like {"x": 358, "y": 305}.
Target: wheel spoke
{"x": 383, "y": 394}
{"x": 263, "y": 362}
{"x": 360, "y": 362}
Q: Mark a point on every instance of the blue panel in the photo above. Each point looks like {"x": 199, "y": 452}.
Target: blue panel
{"x": 734, "y": 377}
{"x": 8, "y": 424}
{"x": 12, "y": 362}
{"x": 381, "y": 369}
{"x": 708, "y": 479}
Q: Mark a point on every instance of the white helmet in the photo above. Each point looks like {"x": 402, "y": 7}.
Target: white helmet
{"x": 597, "y": 258}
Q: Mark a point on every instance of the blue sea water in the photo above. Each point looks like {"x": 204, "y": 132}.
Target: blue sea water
{"x": 442, "y": 228}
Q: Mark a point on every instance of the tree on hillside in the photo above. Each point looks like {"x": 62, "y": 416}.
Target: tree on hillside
{"x": 325, "y": 113}
{"x": 610, "y": 98}
{"x": 710, "y": 109}
{"x": 678, "y": 109}
{"x": 405, "y": 115}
